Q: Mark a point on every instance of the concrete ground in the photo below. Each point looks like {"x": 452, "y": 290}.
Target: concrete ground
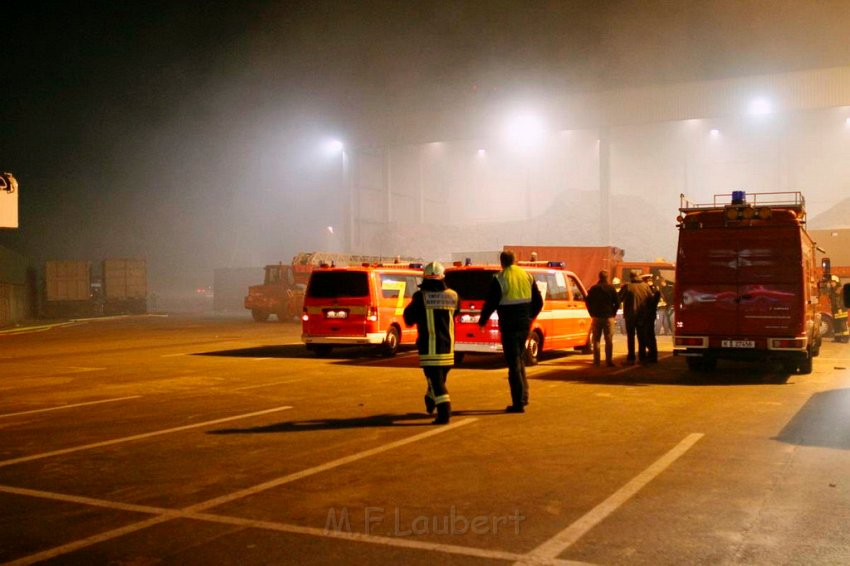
{"x": 201, "y": 440}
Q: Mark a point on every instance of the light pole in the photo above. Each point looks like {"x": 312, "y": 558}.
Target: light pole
{"x": 338, "y": 147}
{"x": 525, "y": 131}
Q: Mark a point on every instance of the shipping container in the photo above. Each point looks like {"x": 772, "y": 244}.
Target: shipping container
{"x": 125, "y": 286}
{"x": 67, "y": 281}
{"x": 67, "y": 289}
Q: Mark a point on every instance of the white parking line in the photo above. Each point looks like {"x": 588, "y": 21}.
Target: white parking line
{"x": 566, "y": 538}
{"x": 168, "y": 514}
{"x": 325, "y": 467}
{"x": 32, "y": 457}
{"x": 193, "y": 510}
{"x": 69, "y": 406}
{"x": 40, "y": 328}
{"x": 271, "y": 384}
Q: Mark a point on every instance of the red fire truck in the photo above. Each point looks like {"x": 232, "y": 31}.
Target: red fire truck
{"x": 279, "y": 294}
{"x": 282, "y": 291}
{"x": 746, "y": 282}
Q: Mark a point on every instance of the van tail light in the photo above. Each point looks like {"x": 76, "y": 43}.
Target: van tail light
{"x": 692, "y": 341}
{"x": 787, "y": 344}
{"x": 304, "y": 316}
{"x": 373, "y": 314}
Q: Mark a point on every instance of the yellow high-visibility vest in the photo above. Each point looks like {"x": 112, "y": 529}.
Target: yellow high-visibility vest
{"x": 516, "y": 285}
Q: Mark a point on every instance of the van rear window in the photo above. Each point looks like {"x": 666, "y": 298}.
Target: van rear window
{"x": 333, "y": 284}
{"x": 470, "y": 285}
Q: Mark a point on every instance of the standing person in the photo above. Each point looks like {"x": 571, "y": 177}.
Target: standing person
{"x": 514, "y": 295}
{"x": 432, "y": 310}
{"x": 646, "y": 322}
{"x": 667, "y": 292}
{"x": 840, "y": 332}
{"x": 633, "y": 295}
{"x": 602, "y": 304}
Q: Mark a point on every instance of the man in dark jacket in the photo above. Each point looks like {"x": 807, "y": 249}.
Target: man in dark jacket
{"x": 432, "y": 310}
{"x": 633, "y": 295}
{"x": 648, "y": 348}
{"x": 602, "y": 304}
{"x": 514, "y": 295}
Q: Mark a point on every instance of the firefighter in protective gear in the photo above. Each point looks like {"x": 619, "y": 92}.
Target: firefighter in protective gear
{"x": 840, "y": 332}
{"x": 432, "y": 310}
{"x": 514, "y": 295}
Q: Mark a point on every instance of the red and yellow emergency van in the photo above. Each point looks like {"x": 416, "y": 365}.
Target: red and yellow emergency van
{"x": 563, "y": 323}
{"x": 746, "y": 282}
{"x": 349, "y": 306}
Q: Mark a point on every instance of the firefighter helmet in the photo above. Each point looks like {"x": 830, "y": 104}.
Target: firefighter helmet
{"x": 835, "y": 278}
{"x": 434, "y": 270}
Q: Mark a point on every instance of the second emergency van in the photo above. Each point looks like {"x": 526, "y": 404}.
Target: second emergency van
{"x": 357, "y": 306}
{"x": 564, "y": 322}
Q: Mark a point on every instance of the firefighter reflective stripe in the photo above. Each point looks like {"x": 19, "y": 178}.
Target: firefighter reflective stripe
{"x": 442, "y": 399}
{"x": 437, "y": 359}
{"x": 840, "y": 314}
{"x": 516, "y": 285}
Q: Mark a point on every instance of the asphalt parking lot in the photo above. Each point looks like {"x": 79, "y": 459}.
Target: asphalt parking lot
{"x": 218, "y": 440}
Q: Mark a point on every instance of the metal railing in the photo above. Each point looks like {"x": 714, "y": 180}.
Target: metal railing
{"x": 790, "y": 199}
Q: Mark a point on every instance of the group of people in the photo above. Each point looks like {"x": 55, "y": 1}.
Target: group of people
{"x": 514, "y": 295}
{"x": 639, "y": 298}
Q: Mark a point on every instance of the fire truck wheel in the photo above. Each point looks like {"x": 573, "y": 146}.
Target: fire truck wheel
{"x": 322, "y": 350}
{"x": 259, "y": 316}
{"x": 532, "y": 350}
{"x": 391, "y": 342}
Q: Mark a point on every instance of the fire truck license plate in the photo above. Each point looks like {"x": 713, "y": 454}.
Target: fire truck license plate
{"x": 738, "y": 343}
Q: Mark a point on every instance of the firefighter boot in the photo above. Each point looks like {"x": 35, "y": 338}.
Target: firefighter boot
{"x": 444, "y": 412}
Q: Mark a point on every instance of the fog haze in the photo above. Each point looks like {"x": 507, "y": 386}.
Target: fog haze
{"x": 193, "y": 134}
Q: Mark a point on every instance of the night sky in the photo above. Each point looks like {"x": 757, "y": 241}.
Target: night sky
{"x": 183, "y": 131}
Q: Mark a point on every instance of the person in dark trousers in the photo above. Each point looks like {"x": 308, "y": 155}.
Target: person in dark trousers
{"x": 839, "y": 313}
{"x": 633, "y": 295}
{"x": 514, "y": 295}
{"x": 648, "y": 349}
{"x": 667, "y": 292}
{"x": 432, "y": 310}
{"x": 602, "y": 304}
